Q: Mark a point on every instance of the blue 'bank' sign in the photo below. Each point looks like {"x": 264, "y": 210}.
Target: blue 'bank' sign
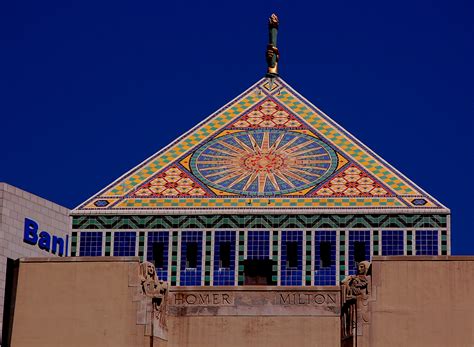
{"x": 44, "y": 240}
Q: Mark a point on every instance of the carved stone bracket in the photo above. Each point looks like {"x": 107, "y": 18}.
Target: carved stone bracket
{"x": 151, "y": 295}
{"x": 356, "y": 293}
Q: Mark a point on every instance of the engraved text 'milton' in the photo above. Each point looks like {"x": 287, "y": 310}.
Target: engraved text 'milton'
{"x": 305, "y": 299}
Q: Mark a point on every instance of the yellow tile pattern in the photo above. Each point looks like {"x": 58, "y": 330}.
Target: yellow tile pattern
{"x": 185, "y": 144}
{"x": 298, "y": 202}
{"x": 345, "y": 144}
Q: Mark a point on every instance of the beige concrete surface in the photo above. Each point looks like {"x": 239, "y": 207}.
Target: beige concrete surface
{"x": 76, "y": 304}
{"x": 421, "y": 301}
{"x": 234, "y": 331}
{"x": 91, "y": 301}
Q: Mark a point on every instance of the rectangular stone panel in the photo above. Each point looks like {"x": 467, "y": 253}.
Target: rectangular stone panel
{"x": 254, "y": 301}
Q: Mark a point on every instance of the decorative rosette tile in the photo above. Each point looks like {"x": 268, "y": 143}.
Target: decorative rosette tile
{"x": 263, "y": 162}
{"x": 172, "y": 182}
{"x": 352, "y": 182}
{"x": 268, "y": 114}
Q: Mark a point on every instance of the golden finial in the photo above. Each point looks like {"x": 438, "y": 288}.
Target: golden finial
{"x": 272, "y": 53}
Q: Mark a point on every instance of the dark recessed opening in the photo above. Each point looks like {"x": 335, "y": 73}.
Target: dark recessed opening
{"x": 292, "y": 254}
{"x": 258, "y": 271}
{"x": 224, "y": 255}
{"x": 158, "y": 254}
{"x": 359, "y": 251}
{"x": 325, "y": 254}
{"x": 191, "y": 255}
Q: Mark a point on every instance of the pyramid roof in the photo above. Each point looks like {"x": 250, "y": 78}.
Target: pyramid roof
{"x": 267, "y": 151}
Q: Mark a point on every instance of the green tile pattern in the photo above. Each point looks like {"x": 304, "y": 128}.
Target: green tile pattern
{"x": 342, "y": 255}
{"x": 281, "y": 221}
{"x": 207, "y": 261}
{"x": 240, "y": 263}
{"x": 275, "y": 256}
{"x": 74, "y": 244}
{"x": 409, "y": 242}
{"x": 141, "y": 245}
{"x": 174, "y": 257}
{"x": 376, "y": 242}
{"x": 108, "y": 243}
{"x": 309, "y": 254}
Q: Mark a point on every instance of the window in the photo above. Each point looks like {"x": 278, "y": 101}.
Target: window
{"x": 158, "y": 254}
{"x": 224, "y": 255}
{"x": 191, "y": 255}
{"x": 292, "y": 254}
{"x": 359, "y": 251}
{"x": 325, "y": 254}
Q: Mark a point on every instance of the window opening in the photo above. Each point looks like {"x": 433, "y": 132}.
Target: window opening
{"x": 292, "y": 254}
{"x": 359, "y": 251}
{"x": 191, "y": 255}
{"x": 325, "y": 254}
{"x": 158, "y": 254}
{"x": 224, "y": 255}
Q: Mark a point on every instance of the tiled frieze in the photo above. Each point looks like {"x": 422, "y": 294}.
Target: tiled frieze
{"x": 282, "y": 221}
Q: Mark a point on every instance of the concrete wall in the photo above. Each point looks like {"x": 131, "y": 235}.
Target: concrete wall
{"x": 76, "y": 302}
{"x": 15, "y": 206}
{"x": 254, "y": 316}
{"x": 92, "y": 301}
{"x": 266, "y": 331}
{"x": 421, "y": 301}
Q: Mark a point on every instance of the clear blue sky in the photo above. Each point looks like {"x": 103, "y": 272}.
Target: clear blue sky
{"x": 88, "y": 89}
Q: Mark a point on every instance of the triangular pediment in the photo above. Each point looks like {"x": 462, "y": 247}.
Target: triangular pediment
{"x": 268, "y": 149}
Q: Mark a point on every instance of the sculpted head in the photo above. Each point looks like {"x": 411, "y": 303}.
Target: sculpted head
{"x": 150, "y": 269}
{"x": 363, "y": 268}
{"x": 147, "y": 271}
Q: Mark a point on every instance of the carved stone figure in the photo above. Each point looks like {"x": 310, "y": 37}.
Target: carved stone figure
{"x": 151, "y": 284}
{"x": 155, "y": 289}
{"x": 272, "y": 53}
{"x": 356, "y": 285}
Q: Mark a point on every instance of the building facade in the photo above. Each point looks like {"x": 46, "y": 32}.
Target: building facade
{"x": 267, "y": 190}
{"x": 30, "y": 226}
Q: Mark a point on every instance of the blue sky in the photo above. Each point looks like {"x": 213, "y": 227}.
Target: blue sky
{"x": 89, "y": 89}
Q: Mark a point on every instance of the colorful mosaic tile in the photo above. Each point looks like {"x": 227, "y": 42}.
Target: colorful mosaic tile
{"x": 353, "y": 181}
{"x": 267, "y": 114}
{"x": 171, "y": 182}
{"x": 269, "y": 148}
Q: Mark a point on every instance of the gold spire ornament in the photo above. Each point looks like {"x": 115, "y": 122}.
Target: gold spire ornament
{"x": 272, "y": 53}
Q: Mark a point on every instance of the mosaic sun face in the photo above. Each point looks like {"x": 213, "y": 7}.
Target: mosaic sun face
{"x": 263, "y": 162}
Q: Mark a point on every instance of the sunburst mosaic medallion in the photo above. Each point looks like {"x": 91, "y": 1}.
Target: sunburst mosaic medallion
{"x": 263, "y": 162}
